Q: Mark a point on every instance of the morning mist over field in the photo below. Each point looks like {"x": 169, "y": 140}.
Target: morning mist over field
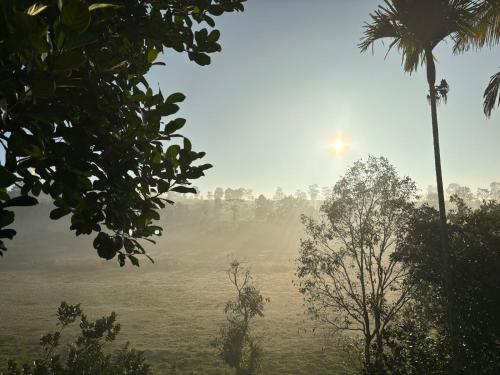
{"x": 249, "y": 187}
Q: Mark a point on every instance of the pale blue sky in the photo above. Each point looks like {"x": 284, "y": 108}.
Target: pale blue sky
{"x": 290, "y": 77}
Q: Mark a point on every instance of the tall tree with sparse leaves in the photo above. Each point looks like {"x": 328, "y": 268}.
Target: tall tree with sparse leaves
{"x": 346, "y": 269}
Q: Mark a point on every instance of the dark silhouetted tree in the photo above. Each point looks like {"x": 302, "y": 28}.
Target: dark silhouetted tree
{"x": 463, "y": 192}
{"x": 495, "y": 191}
{"x": 218, "y": 193}
{"x": 278, "y": 195}
{"x": 235, "y": 198}
{"x": 300, "y": 195}
{"x": 313, "y": 191}
{"x": 80, "y": 122}
{"x": 475, "y": 244}
{"x": 263, "y": 208}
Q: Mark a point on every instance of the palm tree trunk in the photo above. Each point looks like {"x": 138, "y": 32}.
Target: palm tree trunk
{"x": 450, "y": 295}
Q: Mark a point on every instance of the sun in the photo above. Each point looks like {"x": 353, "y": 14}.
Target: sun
{"x": 339, "y": 145}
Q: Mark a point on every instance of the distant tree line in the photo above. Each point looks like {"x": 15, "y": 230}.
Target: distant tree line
{"x": 233, "y": 205}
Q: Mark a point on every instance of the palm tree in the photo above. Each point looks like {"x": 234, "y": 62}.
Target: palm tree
{"x": 415, "y": 28}
{"x": 486, "y": 34}
{"x": 491, "y": 94}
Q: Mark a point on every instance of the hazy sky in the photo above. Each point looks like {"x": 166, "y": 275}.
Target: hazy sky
{"x": 290, "y": 77}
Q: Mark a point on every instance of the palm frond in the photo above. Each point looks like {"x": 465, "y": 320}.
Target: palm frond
{"x": 491, "y": 94}
{"x": 486, "y": 27}
{"x": 385, "y": 24}
{"x": 417, "y": 25}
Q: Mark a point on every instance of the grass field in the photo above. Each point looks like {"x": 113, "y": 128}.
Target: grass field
{"x": 171, "y": 309}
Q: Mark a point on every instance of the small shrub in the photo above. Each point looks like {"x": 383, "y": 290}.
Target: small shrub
{"x": 85, "y": 355}
{"x": 235, "y": 345}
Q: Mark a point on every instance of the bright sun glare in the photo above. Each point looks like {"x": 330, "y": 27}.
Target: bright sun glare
{"x": 338, "y": 145}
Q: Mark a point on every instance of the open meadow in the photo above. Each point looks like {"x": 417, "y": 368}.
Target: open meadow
{"x": 172, "y": 309}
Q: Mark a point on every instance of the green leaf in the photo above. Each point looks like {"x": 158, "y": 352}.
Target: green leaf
{"x": 183, "y": 189}
{"x": 43, "y": 87}
{"x": 187, "y": 144}
{"x": 7, "y": 233}
{"x": 23, "y": 200}
{"x": 121, "y": 259}
{"x": 7, "y": 178}
{"x": 129, "y": 245}
{"x": 201, "y": 36}
{"x": 3, "y": 195}
{"x": 213, "y": 36}
{"x": 122, "y": 64}
{"x": 76, "y": 15}
{"x": 133, "y": 260}
{"x": 205, "y": 166}
{"x": 69, "y": 60}
{"x": 200, "y": 58}
{"x": 176, "y": 97}
{"x": 36, "y": 9}
{"x": 173, "y": 151}
{"x": 6, "y": 218}
{"x": 209, "y": 20}
{"x": 102, "y": 6}
{"x": 156, "y": 157}
{"x": 152, "y": 55}
{"x": 163, "y": 185}
{"x": 175, "y": 125}
{"x": 59, "y": 212}
{"x": 155, "y": 215}
{"x": 36, "y": 188}
{"x": 81, "y": 40}
{"x": 105, "y": 246}
{"x": 167, "y": 109}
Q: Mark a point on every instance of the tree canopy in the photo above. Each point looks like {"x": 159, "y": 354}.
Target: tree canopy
{"x": 474, "y": 244}
{"x": 80, "y": 122}
{"x": 346, "y": 268}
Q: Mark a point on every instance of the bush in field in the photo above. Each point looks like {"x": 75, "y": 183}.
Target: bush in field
{"x": 235, "y": 345}
{"x": 85, "y": 355}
